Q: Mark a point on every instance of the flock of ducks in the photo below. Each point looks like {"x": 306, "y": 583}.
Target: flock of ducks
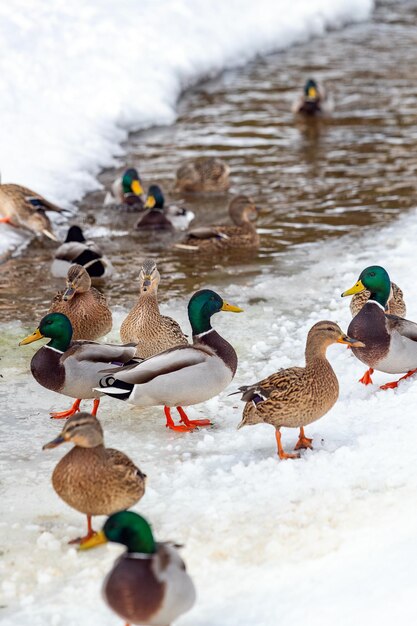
{"x": 157, "y": 365}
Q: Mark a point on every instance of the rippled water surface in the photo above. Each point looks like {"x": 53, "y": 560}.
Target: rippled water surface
{"x": 314, "y": 179}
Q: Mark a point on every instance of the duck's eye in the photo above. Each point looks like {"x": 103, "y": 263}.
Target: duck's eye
{"x": 371, "y": 273}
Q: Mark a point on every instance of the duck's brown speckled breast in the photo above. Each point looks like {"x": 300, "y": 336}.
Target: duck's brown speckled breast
{"x": 47, "y": 369}
{"x": 369, "y": 326}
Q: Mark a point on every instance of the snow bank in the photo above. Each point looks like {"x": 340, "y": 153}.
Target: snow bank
{"x": 75, "y": 77}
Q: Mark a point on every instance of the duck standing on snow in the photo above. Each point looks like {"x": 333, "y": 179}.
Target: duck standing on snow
{"x": 162, "y": 217}
{"x": 91, "y": 478}
{"x": 204, "y": 174}
{"x": 149, "y": 583}
{"x": 127, "y": 191}
{"x": 72, "y": 368}
{"x": 390, "y": 341}
{"x": 84, "y": 305}
{"x": 313, "y": 101}
{"x": 184, "y": 375}
{"x": 76, "y": 249}
{"x": 242, "y": 234}
{"x": 297, "y": 396}
{"x": 23, "y": 208}
{"x": 145, "y": 326}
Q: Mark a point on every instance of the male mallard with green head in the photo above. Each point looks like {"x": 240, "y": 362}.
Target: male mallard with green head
{"x": 390, "y": 341}
{"x": 395, "y": 304}
{"x": 313, "y": 101}
{"x": 127, "y": 191}
{"x": 152, "y": 332}
{"x": 183, "y": 375}
{"x": 297, "y": 396}
{"x": 91, "y": 478}
{"x": 72, "y": 368}
{"x": 84, "y": 305}
{"x": 204, "y": 174}
{"x": 23, "y": 208}
{"x": 148, "y": 584}
{"x": 160, "y": 216}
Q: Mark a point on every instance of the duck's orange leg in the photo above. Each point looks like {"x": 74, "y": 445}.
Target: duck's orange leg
{"x": 394, "y": 384}
{"x": 303, "y": 441}
{"x": 90, "y": 533}
{"x": 281, "y": 453}
{"x": 170, "y": 422}
{"x": 5, "y": 220}
{"x": 184, "y": 419}
{"x": 95, "y": 406}
{"x": 63, "y": 414}
{"x": 366, "y": 378}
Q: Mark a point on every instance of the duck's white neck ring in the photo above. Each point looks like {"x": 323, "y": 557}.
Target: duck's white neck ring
{"x": 138, "y": 555}
{"x": 54, "y": 349}
{"x": 205, "y": 333}
{"x": 377, "y": 303}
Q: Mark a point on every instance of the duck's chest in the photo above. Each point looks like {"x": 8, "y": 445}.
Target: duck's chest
{"x": 47, "y": 369}
{"x": 369, "y": 326}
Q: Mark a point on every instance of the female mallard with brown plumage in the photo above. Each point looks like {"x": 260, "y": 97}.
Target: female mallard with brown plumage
{"x": 91, "y": 478}
{"x": 23, "y": 208}
{"x": 390, "y": 341}
{"x": 72, "y": 368}
{"x": 204, "y": 174}
{"x": 395, "y": 304}
{"x": 242, "y": 234}
{"x": 85, "y": 306}
{"x": 152, "y": 332}
{"x": 297, "y": 396}
{"x": 149, "y": 583}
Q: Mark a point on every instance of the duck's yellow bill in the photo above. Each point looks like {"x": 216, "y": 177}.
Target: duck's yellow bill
{"x": 231, "y": 308}
{"x": 312, "y": 92}
{"x": 33, "y": 337}
{"x": 136, "y": 187}
{"x": 357, "y": 288}
{"x": 97, "y": 540}
{"x": 150, "y": 202}
{"x": 354, "y": 343}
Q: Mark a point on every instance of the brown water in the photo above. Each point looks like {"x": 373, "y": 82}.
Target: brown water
{"x": 314, "y": 179}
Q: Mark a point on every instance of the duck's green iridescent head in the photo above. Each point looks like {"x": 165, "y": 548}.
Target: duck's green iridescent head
{"x": 131, "y": 182}
{"x": 128, "y": 528}
{"x": 155, "y": 198}
{"x": 374, "y": 278}
{"x": 311, "y": 91}
{"x": 203, "y": 305}
{"x": 57, "y": 327}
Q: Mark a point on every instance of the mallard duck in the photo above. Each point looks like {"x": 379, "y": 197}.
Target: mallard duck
{"x": 84, "y": 305}
{"x": 395, "y": 304}
{"x": 152, "y": 332}
{"x": 183, "y": 375}
{"x": 243, "y": 212}
{"x": 91, "y": 478}
{"x": 161, "y": 217}
{"x": 76, "y": 249}
{"x": 297, "y": 396}
{"x": 390, "y": 341}
{"x": 23, "y": 208}
{"x": 148, "y": 584}
{"x": 313, "y": 101}
{"x": 72, "y": 368}
{"x": 204, "y": 174}
{"x": 127, "y": 191}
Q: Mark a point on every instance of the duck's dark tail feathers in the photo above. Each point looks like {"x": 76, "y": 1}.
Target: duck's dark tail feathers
{"x": 111, "y": 386}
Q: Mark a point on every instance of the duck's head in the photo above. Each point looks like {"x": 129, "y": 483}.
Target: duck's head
{"x": 325, "y": 333}
{"x": 149, "y": 277}
{"x": 311, "y": 90}
{"x": 131, "y": 182}
{"x": 128, "y": 528}
{"x": 74, "y": 234}
{"x": 203, "y": 305}
{"x": 55, "y": 326}
{"x": 374, "y": 278}
{"x": 82, "y": 429}
{"x": 155, "y": 198}
{"x": 78, "y": 281}
{"x": 243, "y": 209}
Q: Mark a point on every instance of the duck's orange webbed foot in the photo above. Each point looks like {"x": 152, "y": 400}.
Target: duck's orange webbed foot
{"x": 172, "y": 426}
{"x": 64, "y": 414}
{"x": 366, "y": 378}
{"x": 90, "y": 533}
{"x": 5, "y": 220}
{"x": 191, "y": 423}
{"x": 303, "y": 441}
{"x": 281, "y": 453}
{"x": 394, "y": 383}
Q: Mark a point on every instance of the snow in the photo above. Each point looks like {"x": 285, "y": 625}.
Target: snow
{"x": 75, "y": 77}
{"x": 326, "y": 539}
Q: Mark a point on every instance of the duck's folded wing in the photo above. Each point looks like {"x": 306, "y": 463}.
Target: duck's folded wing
{"x": 101, "y": 352}
{"x": 403, "y": 327}
{"x": 206, "y": 232}
{"x": 70, "y": 250}
{"x": 167, "y": 362}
